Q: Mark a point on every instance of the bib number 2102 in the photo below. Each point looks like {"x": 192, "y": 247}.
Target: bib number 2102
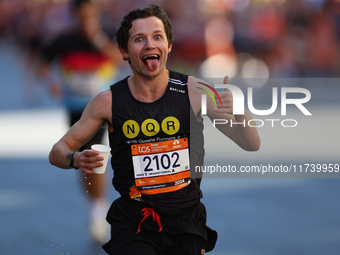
{"x": 163, "y": 161}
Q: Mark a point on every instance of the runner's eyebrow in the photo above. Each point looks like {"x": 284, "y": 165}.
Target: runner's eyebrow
{"x": 142, "y": 34}
{"x": 158, "y": 31}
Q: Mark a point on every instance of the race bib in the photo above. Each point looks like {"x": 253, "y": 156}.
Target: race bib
{"x": 161, "y": 167}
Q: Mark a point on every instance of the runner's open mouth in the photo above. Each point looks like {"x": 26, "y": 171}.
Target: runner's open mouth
{"x": 151, "y": 61}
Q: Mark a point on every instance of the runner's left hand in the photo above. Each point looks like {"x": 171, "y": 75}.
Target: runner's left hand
{"x": 226, "y": 98}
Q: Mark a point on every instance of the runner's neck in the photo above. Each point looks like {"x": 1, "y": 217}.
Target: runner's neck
{"x": 148, "y": 90}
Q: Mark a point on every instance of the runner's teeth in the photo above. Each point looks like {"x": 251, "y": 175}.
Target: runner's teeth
{"x": 150, "y": 56}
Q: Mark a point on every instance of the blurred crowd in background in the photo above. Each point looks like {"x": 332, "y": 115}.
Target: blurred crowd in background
{"x": 247, "y": 38}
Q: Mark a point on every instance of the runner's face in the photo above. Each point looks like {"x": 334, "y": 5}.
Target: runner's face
{"x": 148, "y": 47}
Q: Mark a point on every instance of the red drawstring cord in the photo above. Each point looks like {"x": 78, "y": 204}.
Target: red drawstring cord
{"x": 146, "y": 212}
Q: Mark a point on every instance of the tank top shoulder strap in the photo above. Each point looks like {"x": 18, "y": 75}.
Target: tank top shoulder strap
{"x": 178, "y": 78}
{"x": 119, "y": 86}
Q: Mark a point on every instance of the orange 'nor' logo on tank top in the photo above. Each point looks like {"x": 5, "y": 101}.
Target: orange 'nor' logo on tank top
{"x": 161, "y": 167}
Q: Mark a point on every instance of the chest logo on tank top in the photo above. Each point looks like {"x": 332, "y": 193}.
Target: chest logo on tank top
{"x": 151, "y": 127}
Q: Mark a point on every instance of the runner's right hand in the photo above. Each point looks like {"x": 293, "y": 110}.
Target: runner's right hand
{"x": 87, "y": 160}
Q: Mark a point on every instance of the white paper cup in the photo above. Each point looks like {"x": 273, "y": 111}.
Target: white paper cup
{"x": 104, "y": 151}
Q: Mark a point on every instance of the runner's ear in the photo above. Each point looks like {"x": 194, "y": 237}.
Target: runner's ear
{"x": 124, "y": 53}
{"x": 170, "y": 48}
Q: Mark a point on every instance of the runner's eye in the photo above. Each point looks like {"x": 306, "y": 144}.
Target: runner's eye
{"x": 138, "y": 39}
{"x": 158, "y": 37}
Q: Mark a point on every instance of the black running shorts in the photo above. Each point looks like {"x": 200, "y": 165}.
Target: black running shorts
{"x": 182, "y": 233}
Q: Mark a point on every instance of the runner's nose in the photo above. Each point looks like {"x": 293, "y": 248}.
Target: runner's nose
{"x": 149, "y": 44}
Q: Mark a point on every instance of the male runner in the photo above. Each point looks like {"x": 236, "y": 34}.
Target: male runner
{"x": 155, "y": 132}
{"x": 87, "y": 57}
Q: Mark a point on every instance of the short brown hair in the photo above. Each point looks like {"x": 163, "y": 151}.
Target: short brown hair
{"x": 122, "y": 34}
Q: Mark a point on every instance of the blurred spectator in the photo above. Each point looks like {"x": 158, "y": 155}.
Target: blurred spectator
{"x": 322, "y": 47}
{"x": 9, "y": 10}
{"x": 277, "y": 32}
{"x": 188, "y": 25}
{"x": 219, "y": 49}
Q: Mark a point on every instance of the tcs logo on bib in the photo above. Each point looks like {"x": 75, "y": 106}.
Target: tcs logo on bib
{"x": 150, "y": 127}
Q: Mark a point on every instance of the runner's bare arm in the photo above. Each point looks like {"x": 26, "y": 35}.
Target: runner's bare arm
{"x": 245, "y": 136}
{"x": 96, "y": 113}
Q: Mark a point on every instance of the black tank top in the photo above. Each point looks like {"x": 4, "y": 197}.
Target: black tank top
{"x": 136, "y": 122}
